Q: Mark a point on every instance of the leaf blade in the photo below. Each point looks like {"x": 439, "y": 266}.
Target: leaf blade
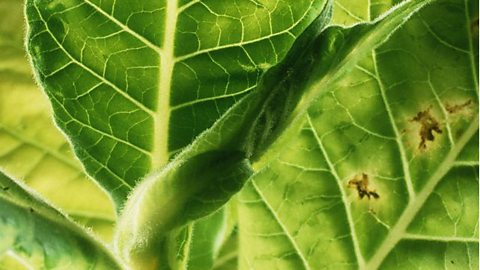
{"x": 32, "y": 149}
{"x": 25, "y": 221}
{"x": 354, "y": 130}
{"x": 157, "y": 71}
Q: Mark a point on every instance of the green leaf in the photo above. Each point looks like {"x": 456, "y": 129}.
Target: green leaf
{"x": 228, "y": 257}
{"x": 198, "y": 245}
{"x": 347, "y": 13}
{"x": 46, "y": 239}
{"x": 208, "y": 236}
{"x": 210, "y": 171}
{"x": 203, "y": 239}
{"x": 154, "y": 73}
{"x": 304, "y": 210}
{"x": 199, "y": 242}
{"x": 134, "y": 91}
{"x": 11, "y": 261}
{"x": 249, "y": 128}
{"x": 164, "y": 203}
{"x": 31, "y": 147}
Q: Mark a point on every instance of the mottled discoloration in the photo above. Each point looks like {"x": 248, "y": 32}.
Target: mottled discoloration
{"x": 456, "y": 108}
{"x": 360, "y": 182}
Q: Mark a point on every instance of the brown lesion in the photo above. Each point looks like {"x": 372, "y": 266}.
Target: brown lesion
{"x": 474, "y": 29}
{"x": 360, "y": 182}
{"x": 457, "y": 108}
{"x": 429, "y": 125}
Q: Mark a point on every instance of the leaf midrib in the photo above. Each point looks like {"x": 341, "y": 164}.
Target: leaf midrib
{"x": 159, "y": 153}
{"x": 470, "y": 47}
{"x": 416, "y": 202}
{"x": 398, "y": 231}
{"x": 162, "y": 115}
{"x": 435, "y": 238}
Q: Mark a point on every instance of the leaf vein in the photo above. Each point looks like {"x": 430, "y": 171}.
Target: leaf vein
{"x": 109, "y": 83}
{"x": 282, "y": 226}
{"x": 355, "y": 241}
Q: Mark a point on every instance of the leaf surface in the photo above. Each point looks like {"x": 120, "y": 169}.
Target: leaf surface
{"x": 45, "y": 238}
{"x": 309, "y": 209}
{"x": 205, "y": 249}
{"x": 133, "y": 82}
{"x": 206, "y": 174}
{"x": 228, "y": 257}
{"x": 31, "y": 147}
{"x": 249, "y": 128}
{"x": 132, "y": 93}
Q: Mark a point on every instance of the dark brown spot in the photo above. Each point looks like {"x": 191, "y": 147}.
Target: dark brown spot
{"x": 455, "y": 108}
{"x": 360, "y": 182}
{"x": 428, "y": 125}
{"x": 474, "y": 29}
{"x": 31, "y": 210}
{"x": 6, "y": 188}
{"x": 452, "y": 262}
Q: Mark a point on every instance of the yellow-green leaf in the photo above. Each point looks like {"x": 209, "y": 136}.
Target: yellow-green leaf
{"x": 41, "y": 237}
{"x": 358, "y": 187}
{"x": 31, "y": 147}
